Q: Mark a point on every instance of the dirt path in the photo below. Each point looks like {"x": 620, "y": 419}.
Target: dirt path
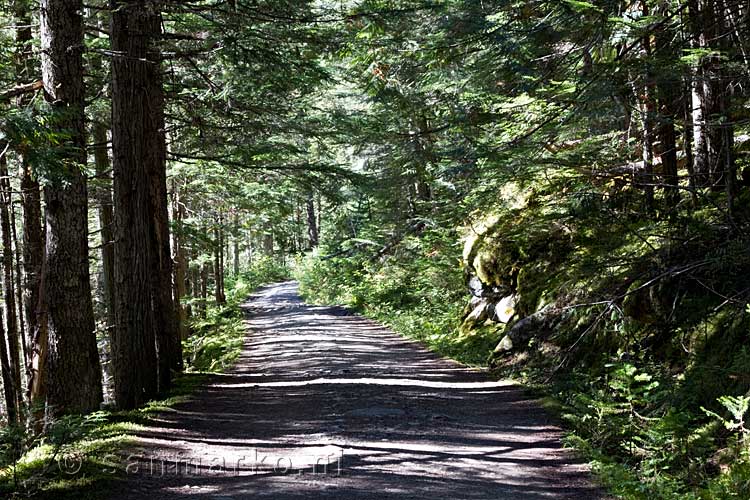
{"x": 380, "y": 416}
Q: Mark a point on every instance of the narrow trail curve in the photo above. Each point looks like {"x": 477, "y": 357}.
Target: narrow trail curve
{"x": 380, "y": 416}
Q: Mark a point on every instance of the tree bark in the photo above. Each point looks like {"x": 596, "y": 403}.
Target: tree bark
{"x": 312, "y": 222}
{"x": 9, "y": 293}
{"x": 33, "y": 304}
{"x": 712, "y": 160}
{"x": 9, "y": 387}
{"x": 219, "y": 265}
{"x": 17, "y": 283}
{"x": 75, "y": 379}
{"x": 236, "y": 246}
{"x": 204, "y": 288}
{"x": 181, "y": 266}
{"x": 667, "y": 89}
{"x": 33, "y": 238}
{"x": 647, "y": 106}
{"x": 168, "y": 344}
{"x": 103, "y": 196}
{"x": 136, "y": 154}
{"x": 647, "y": 146}
{"x": 700, "y": 142}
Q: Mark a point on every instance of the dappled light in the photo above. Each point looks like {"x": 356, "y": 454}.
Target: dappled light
{"x": 319, "y": 384}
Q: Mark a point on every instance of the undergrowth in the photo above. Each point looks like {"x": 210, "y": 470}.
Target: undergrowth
{"x": 418, "y": 291}
{"x": 78, "y": 457}
{"x": 652, "y": 387}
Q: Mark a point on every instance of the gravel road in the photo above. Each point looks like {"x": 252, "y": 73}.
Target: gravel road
{"x": 327, "y": 404}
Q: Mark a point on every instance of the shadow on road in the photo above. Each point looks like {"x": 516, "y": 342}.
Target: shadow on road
{"x": 326, "y": 404}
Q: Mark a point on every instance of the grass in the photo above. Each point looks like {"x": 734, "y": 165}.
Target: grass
{"x": 81, "y": 456}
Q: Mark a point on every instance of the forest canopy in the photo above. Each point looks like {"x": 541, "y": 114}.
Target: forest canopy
{"x": 557, "y": 190}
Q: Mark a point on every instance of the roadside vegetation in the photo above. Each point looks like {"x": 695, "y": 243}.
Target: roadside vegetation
{"x": 83, "y": 457}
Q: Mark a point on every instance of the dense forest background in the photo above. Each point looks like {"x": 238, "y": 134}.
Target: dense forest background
{"x": 558, "y": 190}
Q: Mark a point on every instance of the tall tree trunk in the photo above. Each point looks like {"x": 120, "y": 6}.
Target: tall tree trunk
{"x": 103, "y": 192}
{"x": 17, "y": 283}
{"x": 219, "y": 265}
{"x": 9, "y": 293}
{"x": 700, "y": 141}
{"x": 135, "y": 135}
{"x": 647, "y": 146}
{"x": 204, "y": 287}
{"x": 10, "y": 390}
{"x": 34, "y": 307}
{"x": 33, "y": 314}
{"x": 75, "y": 378}
{"x": 667, "y": 90}
{"x": 707, "y": 24}
{"x": 312, "y": 222}
{"x": 168, "y": 344}
{"x": 11, "y": 384}
{"x": 181, "y": 265}
{"x": 320, "y": 212}
{"x": 236, "y": 246}
{"x": 24, "y": 61}
{"x": 687, "y": 136}
{"x": 103, "y": 195}
{"x": 647, "y": 108}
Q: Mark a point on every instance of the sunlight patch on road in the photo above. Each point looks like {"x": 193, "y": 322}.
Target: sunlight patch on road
{"x": 398, "y": 382}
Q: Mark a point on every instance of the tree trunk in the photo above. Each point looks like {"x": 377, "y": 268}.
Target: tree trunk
{"x": 9, "y": 387}
{"x": 647, "y": 143}
{"x": 106, "y": 221}
{"x": 218, "y": 265}
{"x": 204, "y": 288}
{"x": 647, "y": 124}
{"x": 236, "y": 256}
{"x": 17, "y": 284}
{"x": 709, "y": 99}
{"x": 236, "y": 245}
{"x": 75, "y": 378}
{"x": 687, "y": 136}
{"x": 668, "y": 94}
{"x": 103, "y": 194}
{"x": 312, "y": 222}
{"x": 700, "y": 141}
{"x": 168, "y": 343}
{"x": 33, "y": 237}
{"x": 33, "y": 298}
{"x": 9, "y": 293}
{"x": 181, "y": 267}
{"x": 268, "y": 242}
{"x": 136, "y": 155}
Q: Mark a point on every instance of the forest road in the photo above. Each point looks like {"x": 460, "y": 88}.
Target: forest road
{"x": 326, "y": 404}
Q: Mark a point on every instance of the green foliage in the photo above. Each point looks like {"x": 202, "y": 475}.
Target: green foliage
{"x": 418, "y": 291}
{"x": 78, "y": 456}
{"x": 737, "y": 407}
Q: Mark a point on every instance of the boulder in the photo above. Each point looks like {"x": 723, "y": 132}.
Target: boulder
{"x": 476, "y": 286}
{"x": 478, "y": 314}
{"x": 504, "y": 310}
{"x": 520, "y": 334}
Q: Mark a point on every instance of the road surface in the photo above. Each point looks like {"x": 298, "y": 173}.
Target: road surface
{"x": 326, "y": 404}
